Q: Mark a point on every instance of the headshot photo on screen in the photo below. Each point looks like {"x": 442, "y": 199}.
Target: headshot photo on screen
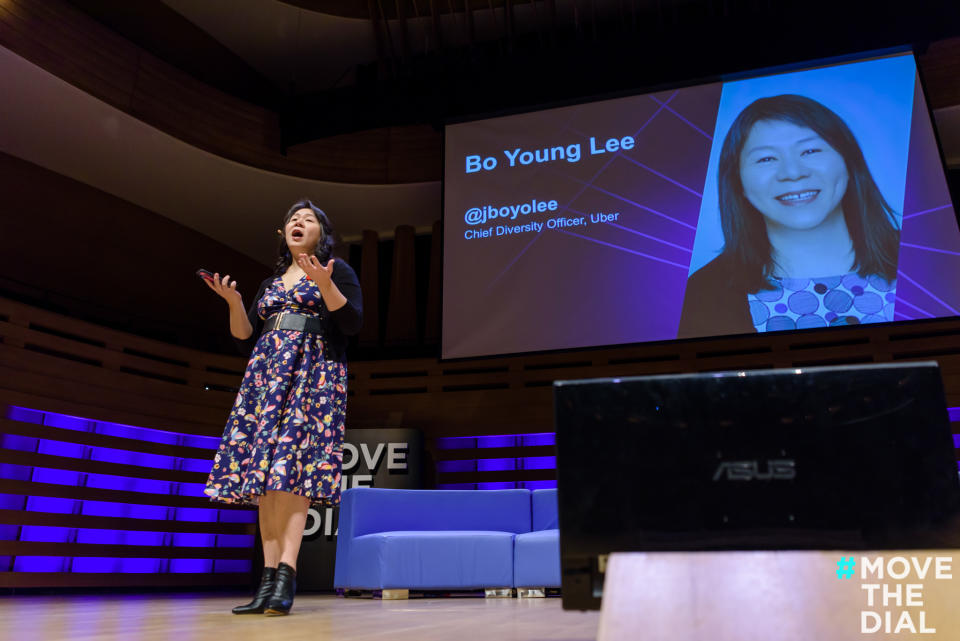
{"x": 800, "y": 234}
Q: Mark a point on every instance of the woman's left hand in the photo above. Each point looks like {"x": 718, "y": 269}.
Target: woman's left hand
{"x": 315, "y": 270}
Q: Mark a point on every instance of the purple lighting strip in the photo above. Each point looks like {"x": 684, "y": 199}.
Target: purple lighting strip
{"x": 481, "y": 464}
{"x": 147, "y": 487}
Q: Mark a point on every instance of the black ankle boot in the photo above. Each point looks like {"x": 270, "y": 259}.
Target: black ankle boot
{"x": 267, "y": 581}
{"x": 281, "y": 600}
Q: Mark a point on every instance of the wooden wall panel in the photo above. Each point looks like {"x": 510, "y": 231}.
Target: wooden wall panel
{"x": 513, "y": 395}
{"x": 95, "y": 408}
{"x": 470, "y": 398}
{"x": 370, "y": 286}
{"x": 940, "y": 66}
{"x": 353, "y": 157}
{"x": 414, "y": 154}
{"x": 434, "y": 310}
{"x": 402, "y": 309}
{"x": 81, "y": 369}
{"x": 200, "y": 115}
{"x": 482, "y": 396}
{"x": 59, "y": 38}
{"x": 108, "y": 248}
{"x": 74, "y": 47}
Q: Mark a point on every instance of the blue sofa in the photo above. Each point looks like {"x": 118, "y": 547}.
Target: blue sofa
{"x": 429, "y": 539}
{"x": 400, "y": 540}
{"x": 536, "y": 554}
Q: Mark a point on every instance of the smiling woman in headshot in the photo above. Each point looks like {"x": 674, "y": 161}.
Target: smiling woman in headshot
{"x": 809, "y": 241}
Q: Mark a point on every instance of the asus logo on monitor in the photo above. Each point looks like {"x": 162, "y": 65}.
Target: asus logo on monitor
{"x": 773, "y": 470}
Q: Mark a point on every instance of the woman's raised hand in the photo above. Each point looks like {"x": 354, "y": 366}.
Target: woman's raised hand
{"x": 315, "y": 270}
{"x": 225, "y": 288}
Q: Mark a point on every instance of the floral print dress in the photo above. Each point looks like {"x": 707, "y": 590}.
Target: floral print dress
{"x": 285, "y": 431}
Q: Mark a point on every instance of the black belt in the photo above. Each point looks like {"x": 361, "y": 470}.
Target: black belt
{"x": 296, "y": 322}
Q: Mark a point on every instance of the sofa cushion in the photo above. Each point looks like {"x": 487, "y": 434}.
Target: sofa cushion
{"x": 544, "y": 504}
{"x": 459, "y": 559}
{"x": 536, "y": 559}
{"x": 389, "y": 510}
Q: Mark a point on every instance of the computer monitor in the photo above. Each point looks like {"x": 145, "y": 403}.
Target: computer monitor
{"x": 845, "y": 458}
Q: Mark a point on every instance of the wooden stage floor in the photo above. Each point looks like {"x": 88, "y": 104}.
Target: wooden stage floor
{"x": 315, "y": 617}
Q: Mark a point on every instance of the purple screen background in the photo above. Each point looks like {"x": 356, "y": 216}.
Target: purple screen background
{"x": 624, "y": 281}
{"x": 927, "y": 276}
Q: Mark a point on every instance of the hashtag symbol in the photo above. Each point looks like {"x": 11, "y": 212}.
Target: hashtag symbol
{"x": 845, "y": 567}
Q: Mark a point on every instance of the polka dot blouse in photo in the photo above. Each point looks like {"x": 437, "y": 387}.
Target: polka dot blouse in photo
{"x": 801, "y": 303}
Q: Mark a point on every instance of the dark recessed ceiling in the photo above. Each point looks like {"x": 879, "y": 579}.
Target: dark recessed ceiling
{"x": 160, "y": 30}
{"x": 336, "y": 66}
{"x": 392, "y": 9}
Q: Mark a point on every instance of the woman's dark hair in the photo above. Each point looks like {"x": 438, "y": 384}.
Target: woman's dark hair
{"x": 870, "y": 220}
{"x": 325, "y": 245}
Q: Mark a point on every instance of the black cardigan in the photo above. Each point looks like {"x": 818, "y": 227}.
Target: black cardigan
{"x": 338, "y": 324}
{"x": 715, "y": 302}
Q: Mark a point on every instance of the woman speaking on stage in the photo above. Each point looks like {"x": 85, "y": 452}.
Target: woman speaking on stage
{"x": 282, "y": 448}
